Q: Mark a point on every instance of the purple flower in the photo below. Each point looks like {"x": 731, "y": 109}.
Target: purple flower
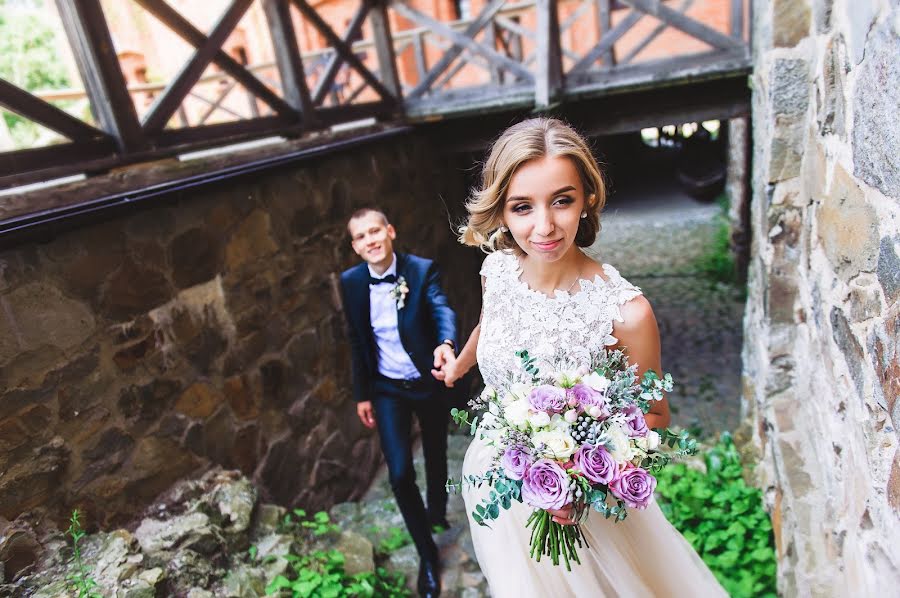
{"x": 634, "y": 422}
{"x": 545, "y": 485}
{"x": 515, "y": 462}
{"x": 595, "y": 462}
{"x": 587, "y": 397}
{"x": 635, "y": 486}
{"x": 547, "y": 398}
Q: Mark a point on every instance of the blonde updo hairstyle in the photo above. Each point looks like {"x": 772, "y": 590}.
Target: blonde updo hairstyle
{"x": 529, "y": 140}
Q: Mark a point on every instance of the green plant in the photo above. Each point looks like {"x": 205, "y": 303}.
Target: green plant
{"x": 397, "y": 538}
{"x": 28, "y": 59}
{"x": 81, "y": 580}
{"x": 321, "y": 575}
{"x": 717, "y": 261}
{"x": 723, "y": 519}
{"x": 319, "y": 525}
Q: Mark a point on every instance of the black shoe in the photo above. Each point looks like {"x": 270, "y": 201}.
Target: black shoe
{"x": 429, "y": 579}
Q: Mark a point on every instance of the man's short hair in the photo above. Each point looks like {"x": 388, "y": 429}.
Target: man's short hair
{"x": 365, "y": 212}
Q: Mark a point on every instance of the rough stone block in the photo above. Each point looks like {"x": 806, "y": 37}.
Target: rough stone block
{"x": 789, "y": 87}
{"x": 38, "y": 315}
{"x": 251, "y": 241}
{"x": 134, "y": 289}
{"x": 876, "y": 136}
{"x": 889, "y": 267}
{"x": 831, "y": 94}
{"x": 849, "y": 347}
{"x": 848, "y": 228}
{"x": 791, "y": 22}
{"x": 199, "y": 400}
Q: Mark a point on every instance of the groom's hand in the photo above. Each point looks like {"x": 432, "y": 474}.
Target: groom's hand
{"x": 444, "y": 360}
{"x": 365, "y": 413}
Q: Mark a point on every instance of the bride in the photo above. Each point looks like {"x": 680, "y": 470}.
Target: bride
{"x": 538, "y": 205}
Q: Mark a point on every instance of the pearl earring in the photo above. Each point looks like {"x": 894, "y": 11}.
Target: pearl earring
{"x": 503, "y": 229}
{"x": 584, "y": 214}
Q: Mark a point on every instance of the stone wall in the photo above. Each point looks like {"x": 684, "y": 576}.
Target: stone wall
{"x": 205, "y": 331}
{"x": 822, "y": 329}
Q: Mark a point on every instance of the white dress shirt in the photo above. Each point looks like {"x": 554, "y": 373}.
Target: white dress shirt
{"x": 393, "y": 361}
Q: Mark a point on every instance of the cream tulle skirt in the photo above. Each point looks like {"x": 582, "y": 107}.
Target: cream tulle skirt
{"x": 640, "y": 556}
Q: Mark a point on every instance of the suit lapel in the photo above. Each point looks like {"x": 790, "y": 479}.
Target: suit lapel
{"x": 363, "y": 300}
{"x": 401, "y": 313}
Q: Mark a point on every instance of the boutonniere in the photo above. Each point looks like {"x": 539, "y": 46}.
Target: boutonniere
{"x": 399, "y": 292}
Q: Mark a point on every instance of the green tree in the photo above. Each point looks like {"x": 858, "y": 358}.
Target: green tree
{"x": 29, "y": 58}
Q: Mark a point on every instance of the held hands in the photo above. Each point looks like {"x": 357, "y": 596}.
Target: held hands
{"x": 563, "y": 516}
{"x": 445, "y": 368}
{"x": 365, "y": 413}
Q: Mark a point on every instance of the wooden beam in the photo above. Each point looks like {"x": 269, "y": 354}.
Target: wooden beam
{"x": 604, "y": 24}
{"x": 606, "y": 42}
{"x": 166, "y": 104}
{"x": 288, "y": 57}
{"x": 334, "y": 64}
{"x": 487, "y": 13}
{"x": 21, "y": 166}
{"x": 184, "y": 29}
{"x": 686, "y": 24}
{"x": 548, "y": 78}
{"x": 685, "y": 6}
{"x": 44, "y": 113}
{"x": 98, "y": 65}
{"x": 346, "y": 53}
{"x": 384, "y": 47}
{"x": 737, "y": 19}
{"x": 464, "y": 41}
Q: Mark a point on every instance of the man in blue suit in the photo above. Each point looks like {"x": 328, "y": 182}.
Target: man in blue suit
{"x": 402, "y": 331}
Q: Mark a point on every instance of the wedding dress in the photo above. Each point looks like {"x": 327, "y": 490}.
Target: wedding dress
{"x": 642, "y": 556}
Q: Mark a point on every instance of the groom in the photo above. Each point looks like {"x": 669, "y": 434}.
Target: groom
{"x": 402, "y": 331}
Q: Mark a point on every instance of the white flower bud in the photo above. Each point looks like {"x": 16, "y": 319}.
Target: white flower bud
{"x": 539, "y": 419}
{"x": 571, "y": 416}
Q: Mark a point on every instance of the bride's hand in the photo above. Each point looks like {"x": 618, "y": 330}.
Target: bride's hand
{"x": 563, "y": 516}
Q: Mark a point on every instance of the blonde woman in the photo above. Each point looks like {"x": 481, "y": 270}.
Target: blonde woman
{"x": 538, "y": 206}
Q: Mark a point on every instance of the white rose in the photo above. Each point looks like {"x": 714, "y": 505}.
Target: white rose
{"x": 618, "y": 444}
{"x": 567, "y": 379}
{"x": 539, "y": 419}
{"x": 596, "y": 381}
{"x": 557, "y": 444}
{"x": 488, "y": 394}
{"x": 517, "y": 412}
{"x": 521, "y": 391}
{"x": 652, "y": 440}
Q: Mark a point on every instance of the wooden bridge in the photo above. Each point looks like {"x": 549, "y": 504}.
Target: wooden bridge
{"x": 508, "y": 56}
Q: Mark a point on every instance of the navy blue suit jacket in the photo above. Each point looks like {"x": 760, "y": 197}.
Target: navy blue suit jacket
{"x": 425, "y": 321}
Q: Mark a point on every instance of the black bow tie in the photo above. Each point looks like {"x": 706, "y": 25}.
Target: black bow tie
{"x": 390, "y": 278}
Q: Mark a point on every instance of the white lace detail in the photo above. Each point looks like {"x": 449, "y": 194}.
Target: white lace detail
{"x": 563, "y": 328}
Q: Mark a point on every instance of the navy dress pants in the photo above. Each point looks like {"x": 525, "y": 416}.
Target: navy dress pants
{"x": 394, "y": 409}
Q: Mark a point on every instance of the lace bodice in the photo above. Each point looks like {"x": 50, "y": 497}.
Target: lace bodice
{"x": 568, "y": 328}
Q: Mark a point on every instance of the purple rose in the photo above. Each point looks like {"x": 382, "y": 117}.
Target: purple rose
{"x": 545, "y": 485}
{"x": 635, "y": 486}
{"x": 548, "y": 398}
{"x": 635, "y": 422}
{"x": 595, "y": 462}
{"x": 587, "y": 397}
{"x": 515, "y": 462}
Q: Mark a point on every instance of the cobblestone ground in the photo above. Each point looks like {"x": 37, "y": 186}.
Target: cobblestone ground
{"x": 654, "y": 238}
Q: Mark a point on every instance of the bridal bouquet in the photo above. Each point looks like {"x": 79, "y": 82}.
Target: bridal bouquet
{"x": 572, "y": 436}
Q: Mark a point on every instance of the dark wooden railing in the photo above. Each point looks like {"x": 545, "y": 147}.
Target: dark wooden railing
{"x": 512, "y": 54}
